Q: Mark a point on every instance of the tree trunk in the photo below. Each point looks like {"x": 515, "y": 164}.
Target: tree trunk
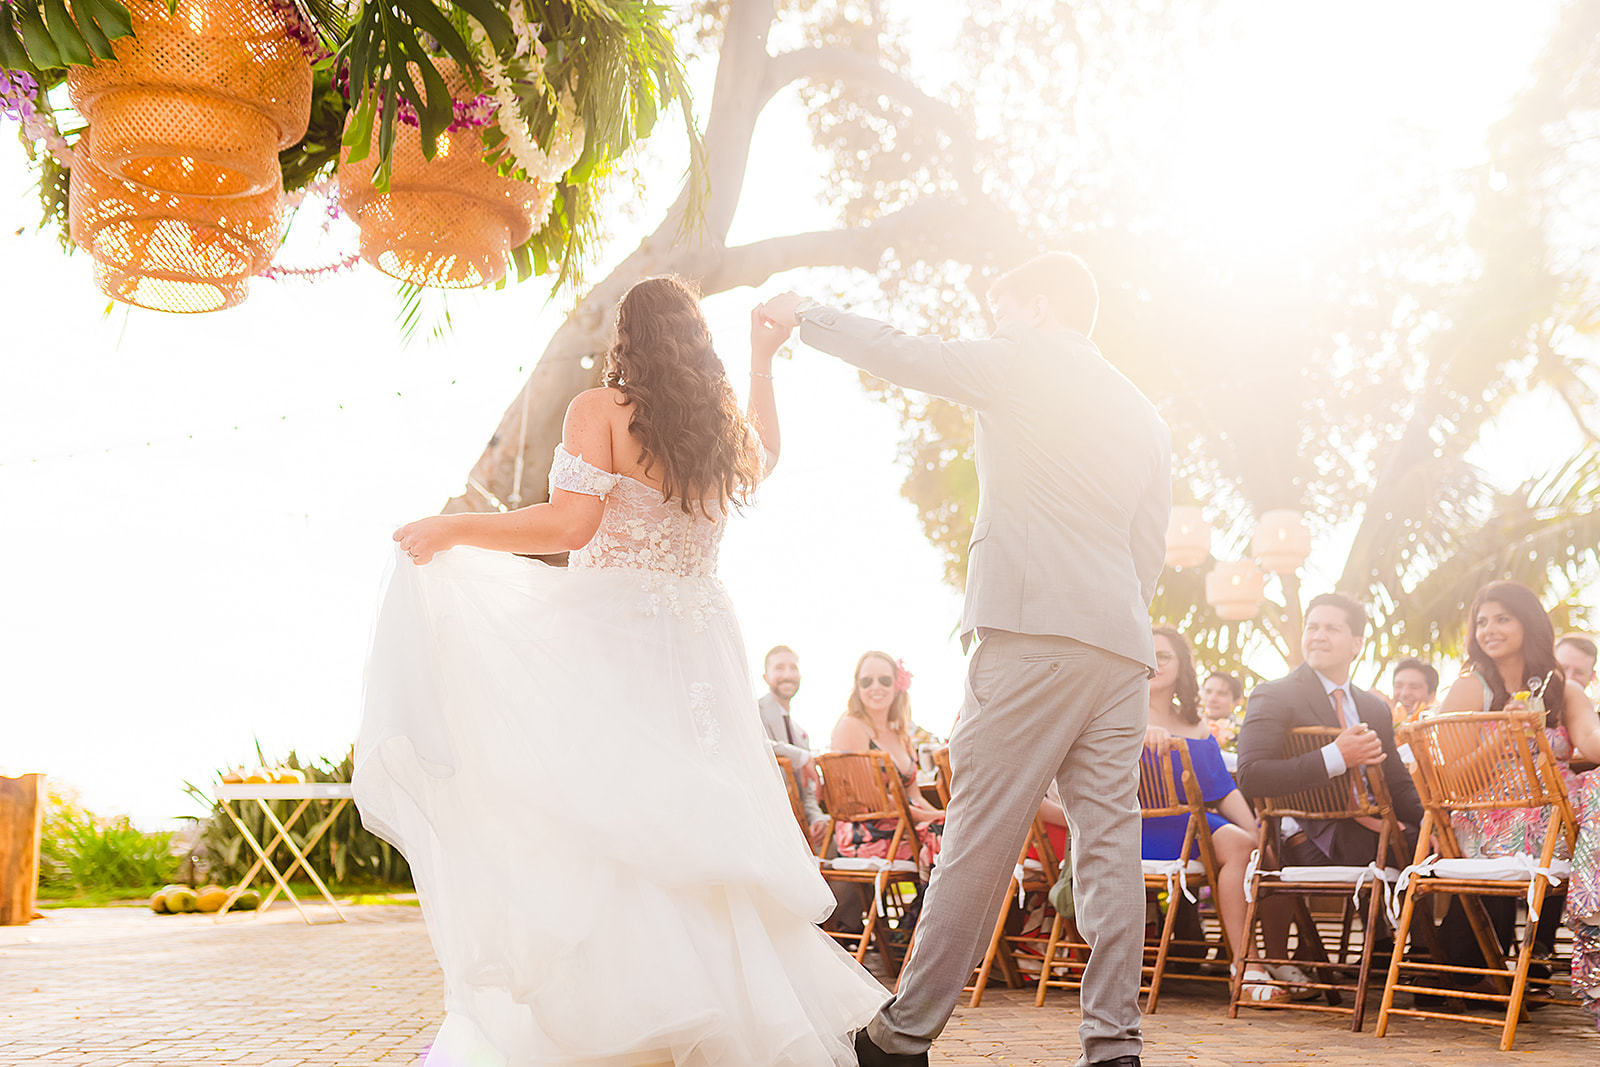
{"x": 513, "y": 470}
{"x": 21, "y": 818}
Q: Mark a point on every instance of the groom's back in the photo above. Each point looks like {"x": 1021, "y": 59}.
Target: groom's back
{"x": 1074, "y": 470}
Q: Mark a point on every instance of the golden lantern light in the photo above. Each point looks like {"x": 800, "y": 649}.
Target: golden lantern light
{"x": 1188, "y": 537}
{"x": 1236, "y": 590}
{"x": 449, "y": 222}
{"x": 200, "y": 99}
{"x": 166, "y": 252}
{"x": 1281, "y": 542}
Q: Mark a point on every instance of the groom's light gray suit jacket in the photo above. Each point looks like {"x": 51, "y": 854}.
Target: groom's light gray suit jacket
{"x": 1074, "y": 475}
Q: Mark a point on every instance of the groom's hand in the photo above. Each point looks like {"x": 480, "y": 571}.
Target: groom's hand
{"x": 780, "y": 309}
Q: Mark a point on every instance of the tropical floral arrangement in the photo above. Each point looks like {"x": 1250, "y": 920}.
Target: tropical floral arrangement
{"x": 1226, "y": 731}
{"x": 553, "y": 93}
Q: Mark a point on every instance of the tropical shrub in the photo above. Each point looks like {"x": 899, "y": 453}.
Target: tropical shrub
{"x": 83, "y": 851}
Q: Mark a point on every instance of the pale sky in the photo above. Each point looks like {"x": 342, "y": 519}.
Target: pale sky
{"x": 195, "y": 511}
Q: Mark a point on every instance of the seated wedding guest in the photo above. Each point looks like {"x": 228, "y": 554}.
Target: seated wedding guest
{"x": 781, "y": 672}
{"x": 1220, "y": 699}
{"x": 1576, "y": 653}
{"x": 1220, "y": 695}
{"x": 1319, "y": 693}
{"x": 1512, "y": 663}
{"x": 877, "y": 718}
{"x": 1175, "y": 712}
{"x": 1415, "y": 685}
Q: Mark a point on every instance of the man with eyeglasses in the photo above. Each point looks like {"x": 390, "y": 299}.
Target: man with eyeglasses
{"x": 1074, "y": 477}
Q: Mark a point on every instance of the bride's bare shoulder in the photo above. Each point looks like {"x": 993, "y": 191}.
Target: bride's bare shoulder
{"x": 603, "y": 400}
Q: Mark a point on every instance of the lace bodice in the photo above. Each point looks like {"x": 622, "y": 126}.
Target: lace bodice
{"x": 640, "y": 529}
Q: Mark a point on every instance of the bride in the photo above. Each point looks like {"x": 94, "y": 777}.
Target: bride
{"x": 571, "y": 759}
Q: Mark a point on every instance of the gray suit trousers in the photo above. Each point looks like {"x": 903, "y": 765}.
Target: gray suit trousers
{"x": 1036, "y": 708}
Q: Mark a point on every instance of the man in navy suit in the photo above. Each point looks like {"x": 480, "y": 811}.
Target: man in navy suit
{"x": 1319, "y": 693}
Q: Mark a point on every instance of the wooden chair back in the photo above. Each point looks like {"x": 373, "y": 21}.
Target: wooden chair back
{"x": 1487, "y": 761}
{"x": 861, "y": 787}
{"x": 1158, "y": 785}
{"x": 941, "y": 774}
{"x": 1353, "y": 794}
{"x": 795, "y": 803}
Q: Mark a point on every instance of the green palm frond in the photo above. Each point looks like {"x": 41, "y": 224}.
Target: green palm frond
{"x": 420, "y": 306}
{"x": 1548, "y": 529}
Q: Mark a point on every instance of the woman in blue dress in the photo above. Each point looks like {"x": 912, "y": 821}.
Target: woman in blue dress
{"x": 1175, "y": 713}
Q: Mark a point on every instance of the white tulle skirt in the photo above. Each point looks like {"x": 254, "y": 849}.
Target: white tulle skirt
{"x": 572, "y": 762}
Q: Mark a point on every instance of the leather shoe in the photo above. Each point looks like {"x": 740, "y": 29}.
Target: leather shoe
{"x": 870, "y": 1055}
{"x": 1120, "y": 1061}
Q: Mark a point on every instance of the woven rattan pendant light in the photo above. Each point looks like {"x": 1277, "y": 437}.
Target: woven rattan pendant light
{"x": 198, "y": 101}
{"x": 449, "y": 222}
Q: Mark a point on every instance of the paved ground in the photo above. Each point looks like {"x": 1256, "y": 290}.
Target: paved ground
{"x": 120, "y": 986}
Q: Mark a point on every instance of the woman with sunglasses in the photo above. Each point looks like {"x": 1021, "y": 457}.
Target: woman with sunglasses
{"x": 877, "y": 718}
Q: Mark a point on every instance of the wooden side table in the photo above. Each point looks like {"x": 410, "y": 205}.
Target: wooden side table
{"x": 336, "y": 794}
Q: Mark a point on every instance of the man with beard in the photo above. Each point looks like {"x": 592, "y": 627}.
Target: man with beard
{"x": 781, "y": 672}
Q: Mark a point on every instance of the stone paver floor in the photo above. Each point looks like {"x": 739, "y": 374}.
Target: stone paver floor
{"x": 122, "y": 987}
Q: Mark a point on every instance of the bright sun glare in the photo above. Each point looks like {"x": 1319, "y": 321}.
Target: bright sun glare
{"x": 1297, "y": 123}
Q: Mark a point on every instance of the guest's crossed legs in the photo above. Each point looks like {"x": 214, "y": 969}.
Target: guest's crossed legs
{"x": 1036, "y": 708}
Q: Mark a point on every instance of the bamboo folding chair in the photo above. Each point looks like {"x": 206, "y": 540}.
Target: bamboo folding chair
{"x": 1196, "y": 866}
{"x": 1480, "y": 761}
{"x": 1030, "y": 875}
{"x": 1354, "y": 794}
{"x": 795, "y": 803}
{"x": 866, "y": 787}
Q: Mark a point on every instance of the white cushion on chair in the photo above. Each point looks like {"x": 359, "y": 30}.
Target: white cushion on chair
{"x": 1162, "y": 868}
{"x": 868, "y": 863}
{"x": 1331, "y": 874}
{"x": 1517, "y": 868}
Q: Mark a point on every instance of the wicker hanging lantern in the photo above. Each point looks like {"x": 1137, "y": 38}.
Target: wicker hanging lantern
{"x": 165, "y": 252}
{"x": 1188, "y": 537}
{"x": 199, "y": 101}
{"x": 1236, "y": 590}
{"x": 1281, "y": 542}
{"x": 449, "y": 222}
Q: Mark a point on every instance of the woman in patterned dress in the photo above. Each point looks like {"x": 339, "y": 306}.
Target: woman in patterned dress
{"x": 1511, "y": 650}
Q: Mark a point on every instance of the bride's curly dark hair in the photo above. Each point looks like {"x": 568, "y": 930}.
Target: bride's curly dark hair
{"x": 685, "y": 414}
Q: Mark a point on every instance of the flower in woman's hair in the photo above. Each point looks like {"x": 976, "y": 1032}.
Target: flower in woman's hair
{"x": 902, "y": 677}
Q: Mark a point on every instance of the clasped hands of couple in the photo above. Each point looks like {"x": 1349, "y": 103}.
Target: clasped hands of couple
{"x": 771, "y": 324}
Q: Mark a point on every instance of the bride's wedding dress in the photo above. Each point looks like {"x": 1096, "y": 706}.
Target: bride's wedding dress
{"x": 572, "y": 762}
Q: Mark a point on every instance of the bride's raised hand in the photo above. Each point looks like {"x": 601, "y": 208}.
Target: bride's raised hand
{"x": 421, "y": 539}
{"x": 766, "y": 337}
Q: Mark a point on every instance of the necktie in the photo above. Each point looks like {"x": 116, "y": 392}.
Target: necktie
{"x": 1338, "y": 708}
{"x": 1355, "y": 794}
{"x": 788, "y": 727}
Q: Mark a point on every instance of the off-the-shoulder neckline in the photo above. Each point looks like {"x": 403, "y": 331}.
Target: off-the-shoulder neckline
{"x": 612, "y": 474}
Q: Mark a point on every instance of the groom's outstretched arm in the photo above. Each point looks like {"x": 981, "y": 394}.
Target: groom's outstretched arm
{"x": 967, "y": 372}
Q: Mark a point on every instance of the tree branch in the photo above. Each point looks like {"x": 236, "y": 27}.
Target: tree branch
{"x": 829, "y": 64}
{"x": 926, "y": 222}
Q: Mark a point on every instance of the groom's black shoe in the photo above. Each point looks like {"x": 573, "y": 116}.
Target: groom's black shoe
{"x": 870, "y": 1055}
{"x": 1120, "y": 1061}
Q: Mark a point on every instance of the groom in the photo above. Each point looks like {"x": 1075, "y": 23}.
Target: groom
{"x": 1073, "y": 472}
